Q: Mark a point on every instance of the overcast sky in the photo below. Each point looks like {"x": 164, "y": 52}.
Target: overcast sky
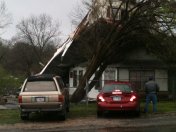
{"x": 57, "y": 9}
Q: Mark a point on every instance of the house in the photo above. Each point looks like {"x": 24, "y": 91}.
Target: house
{"x": 69, "y": 63}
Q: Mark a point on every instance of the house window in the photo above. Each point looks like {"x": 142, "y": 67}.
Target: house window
{"x": 74, "y": 78}
{"x": 98, "y": 83}
{"x": 77, "y": 75}
{"x": 109, "y": 75}
{"x": 71, "y": 74}
{"x": 139, "y": 78}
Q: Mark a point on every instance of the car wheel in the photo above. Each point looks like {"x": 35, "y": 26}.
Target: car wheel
{"x": 137, "y": 112}
{"x": 24, "y": 116}
{"x": 99, "y": 114}
{"x": 63, "y": 115}
{"x": 68, "y": 107}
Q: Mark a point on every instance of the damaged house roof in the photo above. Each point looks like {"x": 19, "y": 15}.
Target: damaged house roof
{"x": 72, "y": 52}
{"x": 68, "y": 53}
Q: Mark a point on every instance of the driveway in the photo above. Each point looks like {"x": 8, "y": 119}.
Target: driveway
{"x": 148, "y": 122}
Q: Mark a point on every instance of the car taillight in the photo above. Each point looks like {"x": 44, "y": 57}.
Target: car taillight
{"x": 19, "y": 99}
{"x": 132, "y": 98}
{"x": 61, "y": 98}
{"x": 100, "y": 98}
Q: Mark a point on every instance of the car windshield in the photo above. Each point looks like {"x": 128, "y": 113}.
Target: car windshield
{"x": 122, "y": 87}
{"x": 38, "y": 86}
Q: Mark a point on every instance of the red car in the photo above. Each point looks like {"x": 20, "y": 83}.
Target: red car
{"x": 117, "y": 96}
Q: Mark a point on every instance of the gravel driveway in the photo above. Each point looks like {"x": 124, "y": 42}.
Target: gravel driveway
{"x": 92, "y": 123}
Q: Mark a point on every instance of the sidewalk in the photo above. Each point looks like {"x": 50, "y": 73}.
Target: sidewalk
{"x": 9, "y": 105}
{"x": 2, "y": 107}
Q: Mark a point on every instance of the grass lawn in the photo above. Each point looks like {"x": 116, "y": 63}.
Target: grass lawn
{"x": 163, "y": 106}
{"x": 9, "y": 116}
{"x": 82, "y": 110}
{"x": 76, "y": 111}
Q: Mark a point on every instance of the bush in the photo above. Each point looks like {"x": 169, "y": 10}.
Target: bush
{"x": 8, "y": 83}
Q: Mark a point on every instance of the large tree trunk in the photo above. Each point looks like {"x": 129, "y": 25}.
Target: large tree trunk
{"x": 80, "y": 92}
{"x": 98, "y": 60}
{"x": 97, "y": 76}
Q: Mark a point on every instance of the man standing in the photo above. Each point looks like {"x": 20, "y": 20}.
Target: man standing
{"x": 151, "y": 89}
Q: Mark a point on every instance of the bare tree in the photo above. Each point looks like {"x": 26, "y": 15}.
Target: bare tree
{"x": 77, "y": 15}
{"x": 5, "y": 17}
{"x": 3, "y": 51}
{"x": 39, "y": 31}
{"x": 80, "y": 11}
{"x": 143, "y": 23}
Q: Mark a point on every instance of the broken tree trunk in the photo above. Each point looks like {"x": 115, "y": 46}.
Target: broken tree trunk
{"x": 97, "y": 76}
{"x": 80, "y": 92}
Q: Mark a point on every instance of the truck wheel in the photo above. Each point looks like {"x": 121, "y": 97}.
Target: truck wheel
{"x": 24, "y": 116}
{"x": 99, "y": 114}
{"x": 63, "y": 115}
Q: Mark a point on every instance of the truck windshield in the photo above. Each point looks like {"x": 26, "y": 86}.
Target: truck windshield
{"x": 37, "y": 86}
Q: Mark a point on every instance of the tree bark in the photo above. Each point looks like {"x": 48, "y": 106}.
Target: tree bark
{"x": 97, "y": 76}
{"x": 80, "y": 92}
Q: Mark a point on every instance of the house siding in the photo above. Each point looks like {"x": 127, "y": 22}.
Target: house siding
{"x": 123, "y": 74}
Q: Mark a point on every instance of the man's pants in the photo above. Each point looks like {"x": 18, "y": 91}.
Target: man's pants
{"x": 151, "y": 97}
